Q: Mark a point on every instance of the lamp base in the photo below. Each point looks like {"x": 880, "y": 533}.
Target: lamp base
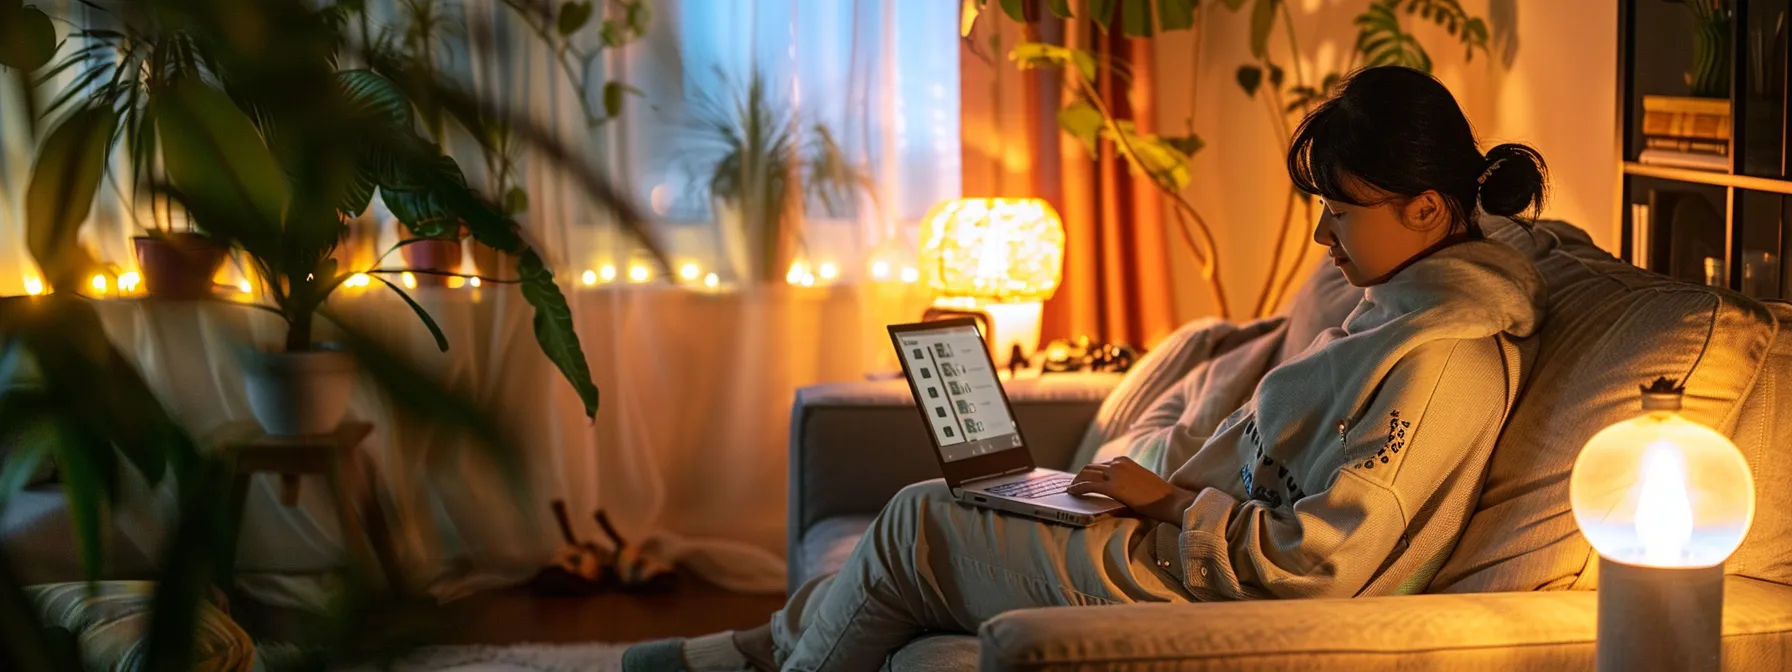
{"x": 1656, "y": 618}
{"x": 1004, "y": 326}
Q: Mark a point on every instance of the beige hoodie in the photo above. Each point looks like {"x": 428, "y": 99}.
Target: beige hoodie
{"x": 1354, "y": 467}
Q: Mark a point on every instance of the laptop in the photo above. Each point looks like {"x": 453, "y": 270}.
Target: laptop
{"x": 971, "y": 424}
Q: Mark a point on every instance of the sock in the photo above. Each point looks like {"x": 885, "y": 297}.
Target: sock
{"x": 655, "y": 656}
{"x": 713, "y": 653}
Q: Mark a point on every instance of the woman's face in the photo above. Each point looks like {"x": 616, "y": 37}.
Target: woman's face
{"x": 1370, "y": 242}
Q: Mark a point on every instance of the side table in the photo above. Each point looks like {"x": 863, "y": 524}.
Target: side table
{"x": 352, "y": 477}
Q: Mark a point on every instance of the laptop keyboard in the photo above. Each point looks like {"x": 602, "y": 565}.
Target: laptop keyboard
{"x": 1034, "y": 488}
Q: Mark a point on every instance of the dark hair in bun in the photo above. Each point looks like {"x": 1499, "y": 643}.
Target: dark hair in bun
{"x": 1399, "y": 130}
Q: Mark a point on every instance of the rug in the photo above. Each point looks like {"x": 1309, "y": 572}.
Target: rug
{"x": 513, "y": 658}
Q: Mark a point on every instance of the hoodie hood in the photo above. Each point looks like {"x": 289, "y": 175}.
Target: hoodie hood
{"x": 1474, "y": 288}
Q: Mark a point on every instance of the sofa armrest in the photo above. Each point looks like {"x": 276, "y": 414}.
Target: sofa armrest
{"x": 1529, "y": 631}
{"x": 853, "y": 445}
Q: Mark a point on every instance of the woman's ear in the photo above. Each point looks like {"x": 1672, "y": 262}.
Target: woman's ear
{"x": 1426, "y": 211}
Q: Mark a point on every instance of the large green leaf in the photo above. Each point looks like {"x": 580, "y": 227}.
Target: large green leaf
{"x": 27, "y": 40}
{"x": 1135, "y": 18}
{"x": 1160, "y": 160}
{"x": 88, "y": 469}
{"x": 554, "y": 327}
{"x": 1083, "y": 122}
{"x": 60, "y": 194}
{"x": 1176, "y": 14}
{"x": 225, "y": 174}
{"x": 573, "y": 16}
{"x": 196, "y": 556}
{"x": 422, "y": 192}
{"x": 375, "y": 99}
{"x": 1060, "y": 8}
{"x": 1030, "y": 55}
{"x": 1015, "y": 9}
{"x": 1263, "y": 20}
{"x": 1102, "y": 12}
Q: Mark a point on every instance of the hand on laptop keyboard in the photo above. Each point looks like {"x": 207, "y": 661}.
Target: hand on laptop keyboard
{"x": 1034, "y": 488}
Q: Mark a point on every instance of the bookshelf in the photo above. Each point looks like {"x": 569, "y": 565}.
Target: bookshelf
{"x": 1705, "y": 83}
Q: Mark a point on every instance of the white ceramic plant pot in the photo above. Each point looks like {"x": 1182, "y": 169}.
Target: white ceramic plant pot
{"x": 299, "y": 393}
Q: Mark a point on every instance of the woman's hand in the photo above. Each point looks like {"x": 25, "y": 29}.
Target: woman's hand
{"x": 1135, "y": 486}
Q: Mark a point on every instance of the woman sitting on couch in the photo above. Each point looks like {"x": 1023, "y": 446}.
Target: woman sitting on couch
{"x": 1351, "y": 470}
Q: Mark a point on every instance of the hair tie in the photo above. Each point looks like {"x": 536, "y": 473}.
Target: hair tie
{"x": 1482, "y": 180}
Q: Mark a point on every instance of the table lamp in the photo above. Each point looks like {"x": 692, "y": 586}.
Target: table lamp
{"x": 997, "y": 259}
{"x": 1664, "y": 501}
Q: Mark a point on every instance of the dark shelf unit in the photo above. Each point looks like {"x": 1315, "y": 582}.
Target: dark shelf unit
{"x": 1732, "y": 227}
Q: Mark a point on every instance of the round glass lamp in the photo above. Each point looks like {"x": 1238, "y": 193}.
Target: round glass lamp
{"x": 998, "y": 259}
{"x": 1664, "y": 500}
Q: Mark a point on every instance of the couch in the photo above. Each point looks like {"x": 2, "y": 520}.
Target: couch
{"x": 1516, "y": 592}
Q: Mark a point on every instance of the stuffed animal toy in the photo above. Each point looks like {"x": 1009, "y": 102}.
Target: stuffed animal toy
{"x": 586, "y": 568}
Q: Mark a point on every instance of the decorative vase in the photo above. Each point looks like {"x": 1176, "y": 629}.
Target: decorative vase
{"x": 1710, "y": 73}
{"x": 760, "y": 239}
{"x": 299, "y": 393}
{"x": 178, "y": 265}
{"x": 443, "y": 255}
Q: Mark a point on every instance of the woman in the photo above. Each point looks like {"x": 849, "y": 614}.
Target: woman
{"x": 1350, "y": 472}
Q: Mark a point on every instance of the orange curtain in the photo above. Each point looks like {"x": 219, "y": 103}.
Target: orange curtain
{"x": 1116, "y": 284}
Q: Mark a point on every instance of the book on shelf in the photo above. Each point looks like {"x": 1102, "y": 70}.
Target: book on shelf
{"x": 1688, "y": 145}
{"x": 1678, "y": 159}
{"x": 1687, "y": 118}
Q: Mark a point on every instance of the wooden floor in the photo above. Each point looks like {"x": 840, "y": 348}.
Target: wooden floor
{"x": 693, "y": 608}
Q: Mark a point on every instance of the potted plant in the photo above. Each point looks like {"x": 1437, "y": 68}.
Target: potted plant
{"x": 123, "y": 68}
{"x": 758, "y": 164}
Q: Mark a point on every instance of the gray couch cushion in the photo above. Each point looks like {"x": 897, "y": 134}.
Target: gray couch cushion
{"x": 936, "y": 653}
{"x": 1611, "y": 327}
{"x": 826, "y": 545}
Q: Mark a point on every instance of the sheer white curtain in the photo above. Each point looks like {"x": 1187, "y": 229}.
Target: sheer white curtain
{"x": 688, "y": 449}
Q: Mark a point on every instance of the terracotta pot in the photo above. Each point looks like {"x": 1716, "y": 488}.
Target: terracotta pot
{"x": 178, "y": 265}
{"x": 492, "y": 263}
{"x": 299, "y": 393}
{"x": 431, "y": 255}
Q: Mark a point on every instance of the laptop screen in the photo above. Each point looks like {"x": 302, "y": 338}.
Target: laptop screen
{"x": 956, "y": 387}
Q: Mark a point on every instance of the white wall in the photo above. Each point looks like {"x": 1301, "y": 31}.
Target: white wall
{"x": 1554, "y": 88}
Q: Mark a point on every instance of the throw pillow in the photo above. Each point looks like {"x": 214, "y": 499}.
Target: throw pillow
{"x": 110, "y": 620}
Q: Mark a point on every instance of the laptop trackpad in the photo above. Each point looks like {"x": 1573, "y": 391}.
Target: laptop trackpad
{"x": 1092, "y": 504}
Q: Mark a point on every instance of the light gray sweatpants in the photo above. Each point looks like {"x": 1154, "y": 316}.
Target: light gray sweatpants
{"x": 930, "y": 564}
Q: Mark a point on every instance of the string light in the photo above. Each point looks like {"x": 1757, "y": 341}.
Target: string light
{"x": 711, "y": 281}
{"x": 34, "y": 286}
{"x": 607, "y": 273}
{"x": 456, "y": 282}
{"x": 99, "y": 284}
{"x": 410, "y": 281}
{"x": 797, "y": 271}
{"x": 589, "y": 277}
{"x": 808, "y": 280}
{"x": 910, "y": 275}
{"x": 474, "y": 282}
{"x": 128, "y": 281}
{"x": 689, "y": 272}
{"x": 828, "y": 271}
{"x": 637, "y": 273}
{"x": 357, "y": 280}
{"x": 880, "y": 270}
{"x": 243, "y": 286}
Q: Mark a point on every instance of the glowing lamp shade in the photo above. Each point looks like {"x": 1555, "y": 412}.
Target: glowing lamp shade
{"x": 1006, "y": 250}
{"x": 1662, "y": 491}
